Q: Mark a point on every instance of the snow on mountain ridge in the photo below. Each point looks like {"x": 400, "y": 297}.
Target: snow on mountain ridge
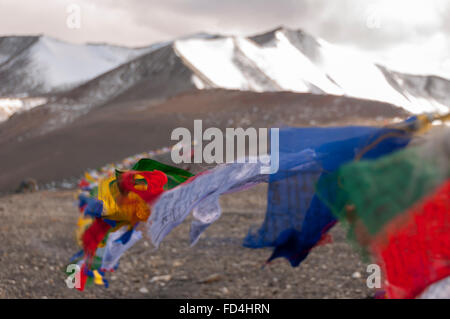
{"x": 13, "y": 45}
{"x": 290, "y": 60}
{"x": 66, "y": 64}
{"x": 48, "y": 65}
{"x": 9, "y": 106}
{"x": 287, "y": 66}
{"x": 36, "y": 66}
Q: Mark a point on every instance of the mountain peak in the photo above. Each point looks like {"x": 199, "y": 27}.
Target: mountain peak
{"x": 269, "y": 36}
{"x": 282, "y": 59}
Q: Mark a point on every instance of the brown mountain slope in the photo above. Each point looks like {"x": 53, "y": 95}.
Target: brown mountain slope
{"x": 115, "y": 131}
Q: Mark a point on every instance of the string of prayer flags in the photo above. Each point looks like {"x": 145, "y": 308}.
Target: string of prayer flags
{"x": 200, "y": 195}
{"x": 414, "y": 248}
{"x": 112, "y": 208}
{"x": 296, "y": 219}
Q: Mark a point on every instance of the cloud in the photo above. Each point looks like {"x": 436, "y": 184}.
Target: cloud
{"x": 369, "y": 24}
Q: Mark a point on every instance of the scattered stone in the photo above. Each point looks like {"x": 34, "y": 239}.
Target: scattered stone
{"x": 224, "y": 290}
{"x": 210, "y": 279}
{"x": 143, "y": 290}
{"x": 356, "y": 275}
{"x": 161, "y": 278}
{"x": 238, "y": 277}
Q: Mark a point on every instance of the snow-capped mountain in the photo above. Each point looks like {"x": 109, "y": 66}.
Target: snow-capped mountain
{"x": 31, "y": 66}
{"x": 289, "y": 60}
{"x": 278, "y": 60}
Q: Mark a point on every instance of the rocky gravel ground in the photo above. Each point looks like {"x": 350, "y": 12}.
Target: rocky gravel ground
{"x": 37, "y": 240}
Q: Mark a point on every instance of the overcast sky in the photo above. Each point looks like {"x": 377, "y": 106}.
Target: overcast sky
{"x": 372, "y": 25}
